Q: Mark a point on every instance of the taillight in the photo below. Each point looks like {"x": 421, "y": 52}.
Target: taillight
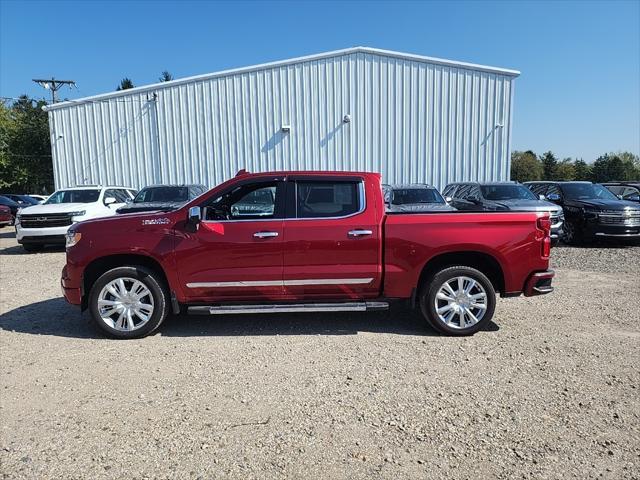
{"x": 544, "y": 227}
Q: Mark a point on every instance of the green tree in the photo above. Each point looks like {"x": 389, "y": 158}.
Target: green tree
{"x": 125, "y": 84}
{"x": 582, "y": 170}
{"x": 25, "y": 148}
{"x": 549, "y": 164}
{"x": 631, "y": 165}
{"x": 565, "y": 170}
{"x": 165, "y": 76}
{"x": 525, "y": 166}
{"x": 608, "y": 167}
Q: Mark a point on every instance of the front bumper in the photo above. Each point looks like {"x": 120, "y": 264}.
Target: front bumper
{"x": 70, "y": 292}
{"x": 613, "y": 231}
{"x": 52, "y": 235}
{"x": 539, "y": 283}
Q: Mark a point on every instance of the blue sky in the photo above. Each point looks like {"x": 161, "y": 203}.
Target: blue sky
{"x": 578, "y": 95}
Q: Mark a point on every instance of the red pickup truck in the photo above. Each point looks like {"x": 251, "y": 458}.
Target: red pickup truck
{"x": 301, "y": 242}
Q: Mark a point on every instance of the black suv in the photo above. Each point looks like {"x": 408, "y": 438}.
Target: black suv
{"x": 502, "y": 196}
{"x": 625, "y": 190}
{"x": 590, "y": 210}
{"x": 162, "y": 198}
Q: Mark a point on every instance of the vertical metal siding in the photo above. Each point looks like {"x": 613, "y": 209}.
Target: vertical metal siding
{"x": 413, "y": 121}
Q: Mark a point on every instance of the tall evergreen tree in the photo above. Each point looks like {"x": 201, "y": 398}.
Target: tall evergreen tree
{"x": 581, "y": 170}
{"x": 549, "y": 164}
{"x": 125, "y": 84}
{"x": 165, "y": 76}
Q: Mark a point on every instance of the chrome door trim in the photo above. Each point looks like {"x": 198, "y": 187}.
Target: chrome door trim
{"x": 246, "y": 283}
{"x": 282, "y": 283}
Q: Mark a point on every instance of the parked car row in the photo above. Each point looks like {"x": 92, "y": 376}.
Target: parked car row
{"x": 11, "y": 203}
{"x": 579, "y": 211}
{"x": 591, "y": 210}
{"x": 43, "y": 224}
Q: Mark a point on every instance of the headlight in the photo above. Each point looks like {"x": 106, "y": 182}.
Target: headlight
{"x": 72, "y": 237}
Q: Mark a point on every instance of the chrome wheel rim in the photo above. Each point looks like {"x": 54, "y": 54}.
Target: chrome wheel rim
{"x": 125, "y": 304}
{"x": 461, "y": 302}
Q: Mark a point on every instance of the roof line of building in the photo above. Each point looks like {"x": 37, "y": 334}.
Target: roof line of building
{"x": 280, "y": 63}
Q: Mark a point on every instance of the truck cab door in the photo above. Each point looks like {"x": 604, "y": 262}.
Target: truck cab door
{"x": 332, "y": 238}
{"x": 236, "y": 253}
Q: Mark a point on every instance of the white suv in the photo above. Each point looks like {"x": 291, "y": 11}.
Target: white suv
{"x": 45, "y": 224}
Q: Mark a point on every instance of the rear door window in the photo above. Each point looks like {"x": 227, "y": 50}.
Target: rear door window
{"x": 322, "y": 199}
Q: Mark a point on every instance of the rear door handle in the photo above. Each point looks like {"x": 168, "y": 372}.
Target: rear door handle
{"x": 265, "y": 234}
{"x": 360, "y": 233}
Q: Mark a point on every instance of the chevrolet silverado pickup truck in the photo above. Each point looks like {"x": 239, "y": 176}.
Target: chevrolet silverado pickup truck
{"x": 302, "y": 242}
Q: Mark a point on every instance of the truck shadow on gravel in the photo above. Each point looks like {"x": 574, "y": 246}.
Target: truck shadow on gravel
{"x": 18, "y": 250}
{"x": 56, "y": 317}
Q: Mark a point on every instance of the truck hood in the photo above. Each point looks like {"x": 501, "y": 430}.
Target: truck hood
{"x": 150, "y": 207}
{"x": 54, "y": 208}
{"x": 529, "y": 205}
{"x": 133, "y": 221}
{"x": 601, "y": 204}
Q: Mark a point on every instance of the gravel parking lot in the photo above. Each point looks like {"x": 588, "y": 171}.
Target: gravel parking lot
{"x": 551, "y": 390}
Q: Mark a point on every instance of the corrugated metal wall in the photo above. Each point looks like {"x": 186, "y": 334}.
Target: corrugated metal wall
{"x": 411, "y": 120}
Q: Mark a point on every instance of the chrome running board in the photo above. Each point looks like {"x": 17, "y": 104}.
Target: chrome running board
{"x": 289, "y": 308}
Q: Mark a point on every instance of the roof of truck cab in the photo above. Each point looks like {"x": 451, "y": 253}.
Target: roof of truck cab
{"x": 319, "y": 173}
{"x": 398, "y": 186}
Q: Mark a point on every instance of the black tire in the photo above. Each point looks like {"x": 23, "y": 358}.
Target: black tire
{"x": 151, "y": 280}
{"x": 571, "y": 234}
{"x": 32, "y": 247}
{"x": 431, "y": 287}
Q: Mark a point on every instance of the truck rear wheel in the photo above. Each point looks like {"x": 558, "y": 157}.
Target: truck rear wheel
{"x": 458, "y": 300}
{"x": 128, "y": 302}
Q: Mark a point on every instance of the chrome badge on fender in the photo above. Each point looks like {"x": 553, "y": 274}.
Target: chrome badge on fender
{"x": 156, "y": 221}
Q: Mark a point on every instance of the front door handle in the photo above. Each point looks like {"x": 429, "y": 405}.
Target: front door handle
{"x": 360, "y": 233}
{"x": 265, "y": 234}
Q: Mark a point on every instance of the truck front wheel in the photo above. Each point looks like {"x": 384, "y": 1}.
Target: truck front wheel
{"x": 128, "y": 302}
{"x": 458, "y": 300}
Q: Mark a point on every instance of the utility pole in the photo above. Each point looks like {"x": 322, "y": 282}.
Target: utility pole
{"x": 54, "y": 85}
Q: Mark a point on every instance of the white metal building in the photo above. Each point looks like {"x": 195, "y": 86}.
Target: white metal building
{"x": 412, "y": 118}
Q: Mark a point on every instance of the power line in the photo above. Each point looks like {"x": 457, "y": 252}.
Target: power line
{"x": 54, "y": 85}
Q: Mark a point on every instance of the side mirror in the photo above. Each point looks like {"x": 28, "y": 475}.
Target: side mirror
{"x": 128, "y": 200}
{"x": 542, "y": 197}
{"x": 554, "y": 197}
{"x": 109, "y": 201}
{"x": 448, "y": 199}
{"x": 195, "y": 216}
{"x": 619, "y": 197}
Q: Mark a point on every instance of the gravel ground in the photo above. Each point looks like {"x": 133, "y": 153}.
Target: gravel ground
{"x": 551, "y": 390}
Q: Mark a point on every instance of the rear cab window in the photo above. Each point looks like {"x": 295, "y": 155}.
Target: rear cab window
{"x": 328, "y": 199}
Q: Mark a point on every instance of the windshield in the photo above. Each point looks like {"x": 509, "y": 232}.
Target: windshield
{"x": 405, "y": 196}
{"x": 586, "y": 191}
{"x": 507, "y": 192}
{"x": 73, "y": 196}
{"x": 162, "y": 194}
{"x": 8, "y": 202}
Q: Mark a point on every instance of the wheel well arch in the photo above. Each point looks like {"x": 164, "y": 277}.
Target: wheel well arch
{"x": 97, "y": 267}
{"x": 483, "y": 262}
